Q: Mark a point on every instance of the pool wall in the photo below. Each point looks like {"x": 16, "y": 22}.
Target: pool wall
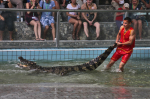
{"x": 54, "y": 54}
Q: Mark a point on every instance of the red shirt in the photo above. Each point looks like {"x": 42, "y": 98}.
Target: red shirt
{"x": 125, "y": 38}
{"x": 119, "y": 18}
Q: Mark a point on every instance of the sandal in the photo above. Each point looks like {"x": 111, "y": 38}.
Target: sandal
{"x": 37, "y": 39}
{"x": 78, "y": 37}
{"x": 41, "y": 39}
{"x": 97, "y": 38}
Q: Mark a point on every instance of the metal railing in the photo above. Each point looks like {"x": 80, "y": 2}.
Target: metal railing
{"x": 66, "y": 10}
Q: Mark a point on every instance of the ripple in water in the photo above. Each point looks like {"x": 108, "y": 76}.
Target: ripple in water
{"x": 136, "y": 74}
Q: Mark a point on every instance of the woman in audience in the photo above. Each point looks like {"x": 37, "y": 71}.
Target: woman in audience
{"x": 32, "y": 18}
{"x": 47, "y": 18}
{"x": 136, "y": 19}
{"x": 6, "y": 18}
{"x": 74, "y": 18}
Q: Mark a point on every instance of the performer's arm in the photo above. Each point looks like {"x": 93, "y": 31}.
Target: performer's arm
{"x": 118, "y": 35}
{"x": 131, "y": 39}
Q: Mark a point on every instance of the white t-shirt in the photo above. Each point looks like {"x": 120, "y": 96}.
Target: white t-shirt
{"x": 69, "y": 6}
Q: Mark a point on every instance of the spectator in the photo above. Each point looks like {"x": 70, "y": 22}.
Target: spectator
{"x": 125, "y": 7}
{"x": 146, "y": 3}
{"x": 32, "y": 18}
{"x": 74, "y": 18}
{"x": 47, "y": 19}
{"x": 6, "y": 18}
{"x": 116, "y": 3}
{"x": 80, "y": 2}
{"x": 136, "y": 19}
{"x": 121, "y": 15}
{"x": 19, "y": 5}
{"x": 89, "y": 18}
{"x": 119, "y": 18}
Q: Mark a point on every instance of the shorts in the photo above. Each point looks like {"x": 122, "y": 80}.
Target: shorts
{"x": 9, "y": 22}
{"x": 83, "y": 20}
{"x": 29, "y": 19}
{"x": 47, "y": 21}
{"x": 69, "y": 17}
{"x": 120, "y": 53}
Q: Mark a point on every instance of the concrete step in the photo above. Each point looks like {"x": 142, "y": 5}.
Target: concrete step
{"x": 65, "y": 44}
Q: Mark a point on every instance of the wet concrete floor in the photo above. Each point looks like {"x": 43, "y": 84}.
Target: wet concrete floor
{"x": 71, "y": 91}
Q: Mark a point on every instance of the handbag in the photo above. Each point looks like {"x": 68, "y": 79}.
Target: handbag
{"x": 91, "y": 17}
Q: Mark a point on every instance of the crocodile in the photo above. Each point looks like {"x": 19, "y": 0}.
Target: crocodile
{"x": 63, "y": 70}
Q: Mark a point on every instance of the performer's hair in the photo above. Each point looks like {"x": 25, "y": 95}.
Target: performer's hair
{"x": 129, "y": 19}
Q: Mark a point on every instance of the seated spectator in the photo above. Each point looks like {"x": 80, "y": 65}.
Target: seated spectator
{"x": 74, "y": 18}
{"x": 80, "y": 2}
{"x": 121, "y": 15}
{"x": 19, "y": 5}
{"x": 125, "y": 7}
{"x": 146, "y": 3}
{"x": 47, "y": 20}
{"x": 136, "y": 19}
{"x": 89, "y": 18}
{"x": 116, "y": 3}
{"x": 32, "y": 18}
{"x": 6, "y": 18}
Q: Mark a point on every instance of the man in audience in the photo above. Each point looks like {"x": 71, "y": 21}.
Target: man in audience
{"x": 121, "y": 15}
{"x": 116, "y": 4}
{"x": 19, "y": 5}
{"x": 6, "y": 19}
{"x": 89, "y": 18}
{"x": 47, "y": 18}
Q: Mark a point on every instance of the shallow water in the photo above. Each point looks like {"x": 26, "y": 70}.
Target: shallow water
{"x": 136, "y": 74}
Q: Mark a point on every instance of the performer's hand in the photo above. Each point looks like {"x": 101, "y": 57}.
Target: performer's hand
{"x": 118, "y": 43}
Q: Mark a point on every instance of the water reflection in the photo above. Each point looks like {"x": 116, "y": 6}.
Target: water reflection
{"x": 120, "y": 92}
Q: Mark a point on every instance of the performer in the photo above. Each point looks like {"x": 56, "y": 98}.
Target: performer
{"x": 126, "y": 35}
